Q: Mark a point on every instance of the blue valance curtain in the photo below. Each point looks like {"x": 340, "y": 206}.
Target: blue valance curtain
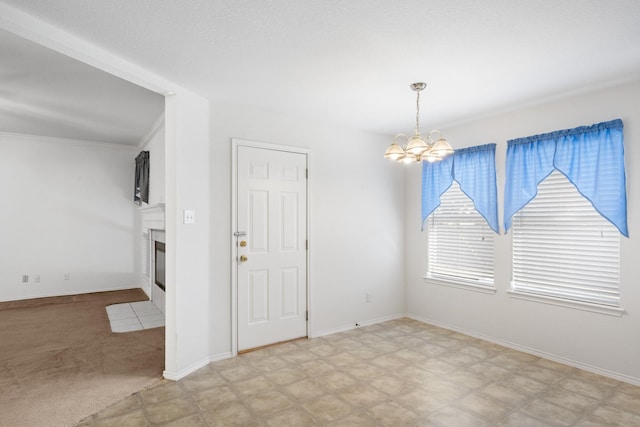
{"x": 591, "y": 157}
{"x": 474, "y": 169}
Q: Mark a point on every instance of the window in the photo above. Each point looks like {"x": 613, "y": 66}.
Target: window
{"x": 563, "y": 248}
{"x": 460, "y": 242}
{"x": 565, "y": 194}
{"x": 460, "y": 213}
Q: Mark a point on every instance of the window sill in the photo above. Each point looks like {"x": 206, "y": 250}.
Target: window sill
{"x": 461, "y": 284}
{"x": 595, "y": 308}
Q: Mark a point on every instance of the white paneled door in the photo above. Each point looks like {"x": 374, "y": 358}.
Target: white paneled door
{"x": 271, "y": 246}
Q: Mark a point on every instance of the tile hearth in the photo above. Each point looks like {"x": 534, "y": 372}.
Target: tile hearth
{"x": 134, "y": 316}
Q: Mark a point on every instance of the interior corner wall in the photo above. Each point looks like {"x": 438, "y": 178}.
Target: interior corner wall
{"x": 67, "y": 208}
{"x": 188, "y": 264}
{"x": 597, "y": 342}
{"x": 356, "y": 209}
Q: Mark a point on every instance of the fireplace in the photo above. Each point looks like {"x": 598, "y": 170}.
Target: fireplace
{"x": 153, "y": 253}
{"x": 159, "y": 262}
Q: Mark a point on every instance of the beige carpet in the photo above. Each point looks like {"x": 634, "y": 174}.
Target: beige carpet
{"x": 60, "y": 362}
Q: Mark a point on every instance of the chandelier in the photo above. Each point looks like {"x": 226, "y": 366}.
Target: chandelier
{"x": 416, "y": 148}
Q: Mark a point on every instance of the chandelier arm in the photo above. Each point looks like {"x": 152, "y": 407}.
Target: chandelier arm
{"x": 432, "y": 132}
{"x": 400, "y": 135}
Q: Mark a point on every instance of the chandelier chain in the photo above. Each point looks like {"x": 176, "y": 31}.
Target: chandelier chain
{"x": 418, "y": 113}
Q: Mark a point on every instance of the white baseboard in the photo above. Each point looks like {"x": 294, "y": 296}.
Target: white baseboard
{"x": 175, "y": 376}
{"x": 594, "y": 369}
{"x": 146, "y": 288}
{"x": 221, "y": 356}
{"x": 64, "y": 294}
{"x": 355, "y": 325}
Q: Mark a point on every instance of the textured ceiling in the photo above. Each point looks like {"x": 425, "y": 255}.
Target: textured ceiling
{"x": 45, "y": 93}
{"x": 351, "y": 61}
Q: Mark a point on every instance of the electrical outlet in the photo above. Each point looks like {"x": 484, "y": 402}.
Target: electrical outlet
{"x": 66, "y": 276}
{"x": 36, "y": 278}
{"x": 189, "y": 217}
{"x": 25, "y": 278}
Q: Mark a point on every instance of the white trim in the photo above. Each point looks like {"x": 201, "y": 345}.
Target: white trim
{"x": 76, "y": 142}
{"x": 77, "y": 292}
{"x": 309, "y": 299}
{"x": 233, "y": 249}
{"x": 236, "y": 142}
{"x": 157, "y": 124}
{"x": 239, "y": 142}
{"x": 219, "y": 357}
{"x": 561, "y": 302}
{"x": 355, "y": 325}
{"x": 485, "y": 289}
{"x": 175, "y": 376}
{"x": 152, "y": 217}
{"x": 528, "y": 350}
{"x": 52, "y": 37}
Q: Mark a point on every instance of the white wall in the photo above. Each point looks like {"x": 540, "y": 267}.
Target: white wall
{"x": 67, "y": 207}
{"x": 594, "y": 341}
{"x": 357, "y": 205}
{"x": 187, "y": 245}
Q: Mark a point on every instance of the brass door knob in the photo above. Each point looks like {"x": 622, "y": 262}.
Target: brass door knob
{"x": 243, "y": 258}
{"x": 243, "y": 243}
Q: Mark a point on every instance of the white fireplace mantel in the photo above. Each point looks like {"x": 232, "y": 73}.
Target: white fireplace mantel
{"x": 152, "y": 216}
{"x": 152, "y": 228}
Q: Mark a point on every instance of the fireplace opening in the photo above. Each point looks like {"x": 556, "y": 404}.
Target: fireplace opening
{"x": 159, "y": 264}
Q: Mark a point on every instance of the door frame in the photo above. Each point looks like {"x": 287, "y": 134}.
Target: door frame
{"x": 235, "y": 144}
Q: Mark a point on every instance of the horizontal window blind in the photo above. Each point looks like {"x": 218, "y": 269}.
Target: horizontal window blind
{"x": 563, "y": 248}
{"x": 460, "y": 242}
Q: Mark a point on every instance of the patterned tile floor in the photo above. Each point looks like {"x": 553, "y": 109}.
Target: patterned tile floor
{"x": 398, "y": 373}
